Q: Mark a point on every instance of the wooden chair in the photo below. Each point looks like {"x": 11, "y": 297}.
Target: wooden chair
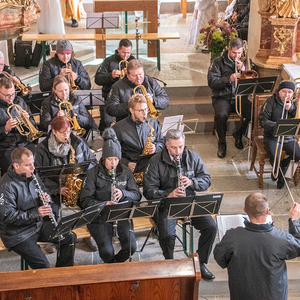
{"x": 233, "y": 117}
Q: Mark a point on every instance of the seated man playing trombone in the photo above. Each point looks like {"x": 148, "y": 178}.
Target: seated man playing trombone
{"x": 14, "y": 131}
{"x": 279, "y": 106}
{"x": 222, "y": 78}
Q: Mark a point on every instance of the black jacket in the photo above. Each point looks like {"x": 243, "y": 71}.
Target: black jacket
{"x": 52, "y": 67}
{"x": 133, "y": 136}
{"x": 97, "y": 186}
{"x": 12, "y": 138}
{"x": 218, "y": 78}
{"x": 7, "y": 69}
{"x": 161, "y": 175}
{"x": 50, "y": 109}
{"x": 44, "y": 158}
{"x": 271, "y": 111}
{"x": 255, "y": 260}
{"x": 19, "y": 203}
{"x": 117, "y": 100}
{"x": 103, "y": 75}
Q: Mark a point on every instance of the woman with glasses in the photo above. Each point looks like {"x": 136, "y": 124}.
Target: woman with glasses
{"x": 10, "y": 137}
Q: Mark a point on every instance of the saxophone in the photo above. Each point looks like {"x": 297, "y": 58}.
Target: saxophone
{"x": 72, "y": 183}
{"x": 139, "y": 177}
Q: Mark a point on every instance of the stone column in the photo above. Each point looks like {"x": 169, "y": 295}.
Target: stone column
{"x": 283, "y": 41}
{"x": 265, "y": 35}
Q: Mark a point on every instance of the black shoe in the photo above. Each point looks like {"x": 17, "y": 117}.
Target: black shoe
{"x": 205, "y": 273}
{"x": 74, "y": 23}
{"x": 221, "y": 150}
{"x": 272, "y": 177}
{"x": 238, "y": 139}
{"x": 280, "y": 182}
{"x": 90, "y": 242}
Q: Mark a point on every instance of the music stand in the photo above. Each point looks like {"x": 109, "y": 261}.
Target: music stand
{"x": 142, "y": 163}
{"x": 249, "y": 87}
{"x": 287, "y": 127}
{"x": 90, "y": 98}
{"x": 77, "y": 220}
{"x": 106, "y": 20}
{"x": 35, "y": 99}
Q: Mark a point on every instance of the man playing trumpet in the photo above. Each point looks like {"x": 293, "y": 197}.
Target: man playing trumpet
{"x": 60, "y": 65}
{"x": 270, "y": 112}
{"x": 222, "y": 77}
{"x": 10, "y": 137}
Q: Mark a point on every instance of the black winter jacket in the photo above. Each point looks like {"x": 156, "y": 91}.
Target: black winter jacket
{"x": 44, "y": 158}
{"x": 218, "y": 78}
{"x": 103, "y": 75}
{"x": 97, "y": 186}
{"x": 161, "y": 175}
{"x": 271, "y": 111}
{"x": 19, "y": 203}
{"x": 52, "y": 67}
{"x": 12, "y": 138}
{"x": 133, "y": 136}
{"x": 117, "y": 100}
{"x": 50, "y": 109}
{"x": 255, "y": 260}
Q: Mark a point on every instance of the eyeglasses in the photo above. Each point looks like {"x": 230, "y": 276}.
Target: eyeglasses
{"x": 8, "y": 96}
{"x": 64, "y": 132}
{"x": 142, "y": 110}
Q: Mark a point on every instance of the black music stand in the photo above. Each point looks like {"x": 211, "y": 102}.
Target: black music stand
{"x": 142, "y": 163}
{"x": 128, "y": 211}
{"x": 287, "y": 127}
{"x": 249, "y": 87}
{"x": 90, "y": 98}
{"x": 77, "y": 220}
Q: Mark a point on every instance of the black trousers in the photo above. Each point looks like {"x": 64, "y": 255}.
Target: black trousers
{"x": 222, "y": 110}
{"x": 167, "y": 234}
{"x": 5, "y": 154}
{"x": 103, "y": 233}
{"x": 105, "y": 119}
{"x": 31, "y": 252}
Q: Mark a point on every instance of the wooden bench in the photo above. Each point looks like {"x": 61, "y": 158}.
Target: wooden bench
{"x": 99, "y": 37}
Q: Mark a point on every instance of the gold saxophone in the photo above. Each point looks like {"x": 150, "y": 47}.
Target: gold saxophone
{"x": 153, "y": 113}
{"x": 139, "y": 177}
{"x": 72, "y": 183}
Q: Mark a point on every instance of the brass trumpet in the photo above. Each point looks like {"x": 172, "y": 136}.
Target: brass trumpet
{"x": 20, "y": 87}
{"x": 24, "y": 126}
{"x": 73, "y": 86}
{"x": 71, "y": 117}
{"x": 153, "y": 113}
{"x": 122, "y": 71}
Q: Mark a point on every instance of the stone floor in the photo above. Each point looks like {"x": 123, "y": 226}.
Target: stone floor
{"x": 182, "y": 65}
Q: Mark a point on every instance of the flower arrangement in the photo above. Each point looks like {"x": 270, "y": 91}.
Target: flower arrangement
{"x": 215, "y": 37}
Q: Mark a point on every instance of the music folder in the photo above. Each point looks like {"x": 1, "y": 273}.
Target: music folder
{"x": 287, "y": 127}
{"x": 142, "y": 163}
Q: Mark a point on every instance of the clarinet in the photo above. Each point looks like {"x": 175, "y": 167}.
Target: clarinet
{"x": 179, "y": 172}
{"x": 113, "y": 185}
{"x": 45, "y": 203}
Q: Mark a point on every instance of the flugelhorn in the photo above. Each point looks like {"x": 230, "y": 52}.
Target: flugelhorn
{"x": 24, "y": 126}
{"x": 73, "y": 86}
{"x": 71, "y": 117}
{"x": 153, "y": 113}
{"x": 20, "y": 87}
{"x": 123, "y": 71}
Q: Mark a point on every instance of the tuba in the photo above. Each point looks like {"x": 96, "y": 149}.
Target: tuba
{"x": 24, "y": 126}
{"x": 71, "y": 117}
{"x": 20, "y": 87}
{"x": 139, "y": 177}
{"x": 122, "y": 71}
{"x": 72, "y": 183}
{"x": 73, "y": 86}
{"x": 153, "y": 113}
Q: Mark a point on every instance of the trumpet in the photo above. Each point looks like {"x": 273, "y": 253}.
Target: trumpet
{"x": 153, "y": 113}
{"x": 24, "y": 126}
{"x": 73, "y": 86}
{"x": 122, "y": 71}
{"x": 71, "y": 117}
{"x": 20, "y": 87}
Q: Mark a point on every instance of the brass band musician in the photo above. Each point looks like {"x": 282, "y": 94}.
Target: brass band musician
{"x": 10, "y": 136}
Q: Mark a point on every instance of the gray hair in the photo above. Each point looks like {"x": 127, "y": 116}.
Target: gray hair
{"x": 1, "y": 54}
{"x": 236, "y": 43}
{"x": 174, "y": 134}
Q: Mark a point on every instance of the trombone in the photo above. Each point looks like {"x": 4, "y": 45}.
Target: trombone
{"x": 24, "y": 126}
{"x": 73, "y": 86}
{"x": 72, "y": 118}
{"x": 123, "y": 71}
{"x": 20, "y": 87}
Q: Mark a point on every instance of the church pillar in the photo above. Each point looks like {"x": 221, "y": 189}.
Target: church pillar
{"x": 265, "y": 35}
{"x": 283, "y": 41}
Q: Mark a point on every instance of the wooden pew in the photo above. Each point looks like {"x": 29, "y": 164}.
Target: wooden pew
{"x": 99, "y": 37}
{"x": 176, "y": 279}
